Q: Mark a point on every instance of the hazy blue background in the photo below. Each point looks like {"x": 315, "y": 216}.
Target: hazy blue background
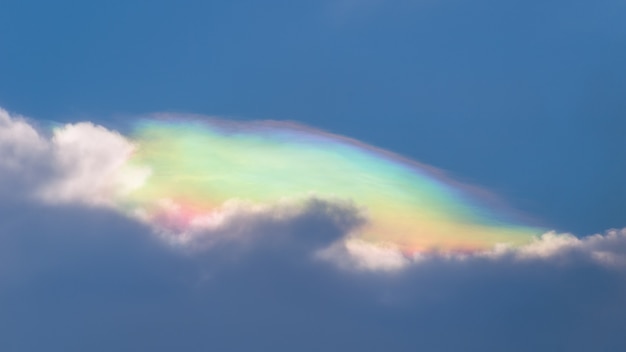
{"x": 526, "y": 98}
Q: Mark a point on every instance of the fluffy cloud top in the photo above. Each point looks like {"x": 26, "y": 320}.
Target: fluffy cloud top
{"x": 91, "y": 163}
{"x": 81, "y": 162}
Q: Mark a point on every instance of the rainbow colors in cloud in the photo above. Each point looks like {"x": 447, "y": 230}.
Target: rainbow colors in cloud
{"x": 199, "y": 165}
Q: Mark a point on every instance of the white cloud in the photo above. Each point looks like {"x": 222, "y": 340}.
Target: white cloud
{"x": 607, "y": 249}
{"x": 20, "y": 143}
{"x": 92, "y": 164}
{"x": 354, "y": 253}
{"x": 80, "y": 162}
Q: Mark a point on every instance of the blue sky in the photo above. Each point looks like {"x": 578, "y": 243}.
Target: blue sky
{"x": 523, "y": 98}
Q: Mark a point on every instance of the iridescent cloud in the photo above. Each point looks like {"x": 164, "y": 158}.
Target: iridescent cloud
{"x": 199, "y": 165}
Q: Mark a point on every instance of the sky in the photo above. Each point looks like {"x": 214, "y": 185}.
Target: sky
{"x": 430, "y": 175}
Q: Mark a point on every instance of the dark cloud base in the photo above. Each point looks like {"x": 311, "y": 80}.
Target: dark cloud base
{"x": 76, "y": 279}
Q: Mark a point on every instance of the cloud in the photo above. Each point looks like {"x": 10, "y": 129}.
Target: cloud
{"x": 608, "y": 249}
{"x": 252, "y": 276}
{"x": 311, "y": 220}
{"x": 21, "y": 148}
{"x": 353, "y": 253}
{"x": 91, "y": 165}
{"x": 82, "y": 163}
{"x": 86, "y": 164}
{"x": 88, "y": 278}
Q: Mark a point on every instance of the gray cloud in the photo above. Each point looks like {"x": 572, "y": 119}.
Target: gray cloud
{"x": 79, "y": 278}
{"x": 246, "y": 223}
